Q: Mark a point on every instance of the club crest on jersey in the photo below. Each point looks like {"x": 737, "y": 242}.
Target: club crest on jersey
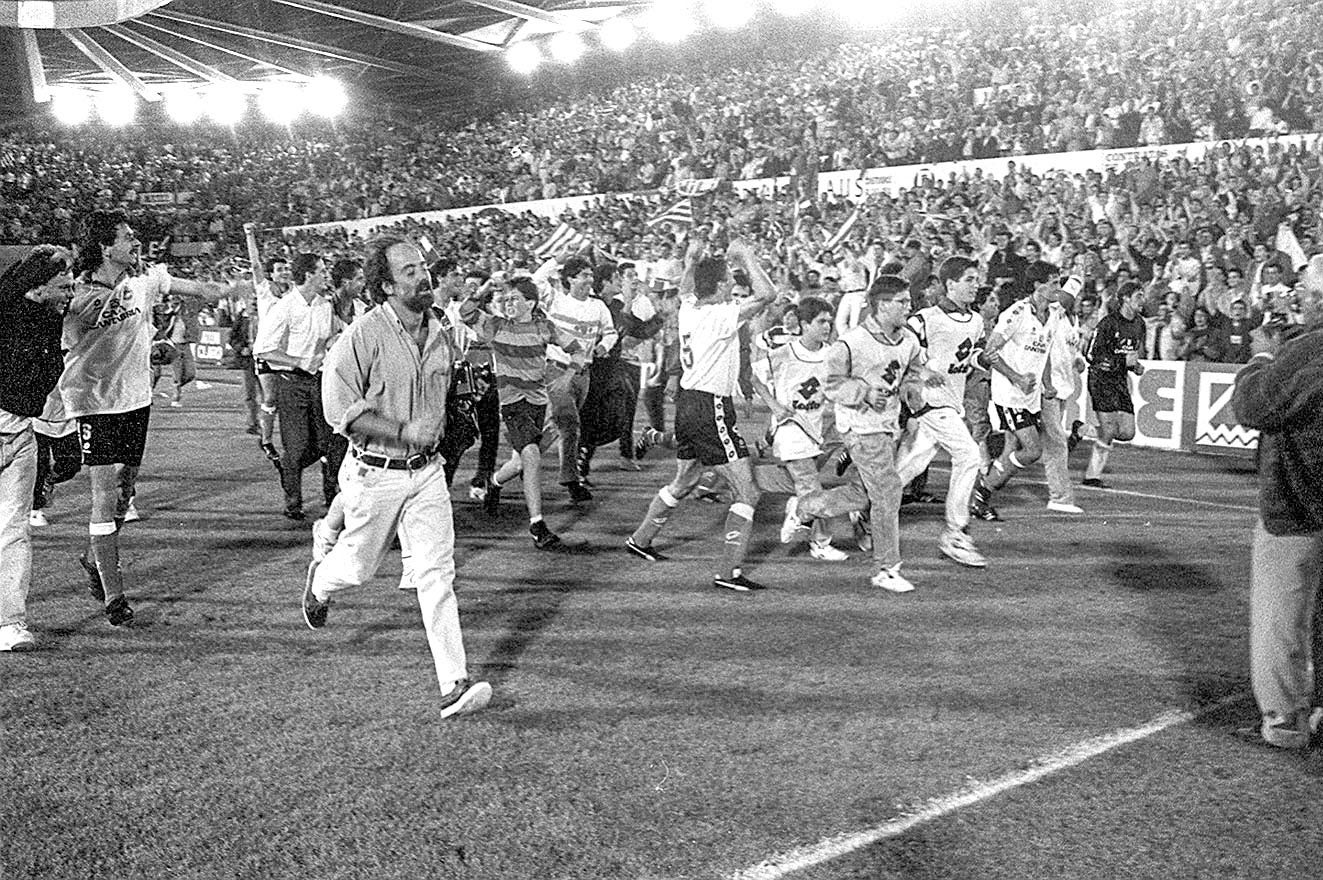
{"x": 808, "y": 396}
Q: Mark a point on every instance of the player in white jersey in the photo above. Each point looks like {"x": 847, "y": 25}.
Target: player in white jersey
{"x": 951, "y": 335}
{"x": 790, "y": 379}
{"x": 705, "y": 435}
{"x": 1018, "y": 352}
{"x": 106, "y": 383}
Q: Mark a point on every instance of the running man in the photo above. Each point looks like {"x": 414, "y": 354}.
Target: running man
{"x": 705, "y": 434}
{"x": 1118, "y": 343}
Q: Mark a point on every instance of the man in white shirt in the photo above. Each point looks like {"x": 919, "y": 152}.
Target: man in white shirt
{"x": 106, "y": 383}
{"x": 705, "y": 435}
{"x": 293, "y": 339}
{"x": 271, "y": 281}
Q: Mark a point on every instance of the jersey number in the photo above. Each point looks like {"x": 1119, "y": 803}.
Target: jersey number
{"x": 686, "y": 353}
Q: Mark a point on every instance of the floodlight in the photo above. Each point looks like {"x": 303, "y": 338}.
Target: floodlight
{"x": 671, "y": 22}
{"x": 280, "y": 102}
{"x": 792, "y": 7}
{"x": 618, "y": 34}
{"x": 116, "y": 105}
{"x": 325, "y": 96}
{"x": 71, "y": 106}
{"x": 523, "y": 57}
{"x": 728, "y": 14}
{"x": 226, "y": 103}
{"x": 567, "y": 47}
{"x": 183, "y": 105}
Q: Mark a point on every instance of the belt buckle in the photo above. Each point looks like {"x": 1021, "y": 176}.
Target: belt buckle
{"x": 416, "y": 461}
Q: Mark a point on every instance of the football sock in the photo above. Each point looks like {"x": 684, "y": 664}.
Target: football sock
{"x": 739, "y": 526}
{"x": 105, "y": 555}
{"x": 659, "y": 511}
{"x": 1098, "y": 459}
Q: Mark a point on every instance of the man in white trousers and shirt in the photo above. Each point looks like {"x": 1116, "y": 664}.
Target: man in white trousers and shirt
{"x": 384, "y": 386}
{"x": 951, "y": 334}
{"x": 1066, "y": 363}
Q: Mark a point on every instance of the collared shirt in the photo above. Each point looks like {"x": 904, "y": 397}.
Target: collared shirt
{"x": 375, "y": 367}
{"x": 296, "y": 327}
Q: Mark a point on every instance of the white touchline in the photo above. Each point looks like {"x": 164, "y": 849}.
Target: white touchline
{"x": 843, "y": 844}
{"x": 1218, "y": 504}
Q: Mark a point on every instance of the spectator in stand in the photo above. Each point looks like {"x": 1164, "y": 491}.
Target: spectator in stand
{"x": 1201, "y": 340}
{"x": 1233, "y": 335}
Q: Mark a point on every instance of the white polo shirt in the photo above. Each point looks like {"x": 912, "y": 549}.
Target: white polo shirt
{"x": 296, "y": 327}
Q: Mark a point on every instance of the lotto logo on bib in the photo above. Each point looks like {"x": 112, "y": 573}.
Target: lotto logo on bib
{"x": 1215, "y": 421}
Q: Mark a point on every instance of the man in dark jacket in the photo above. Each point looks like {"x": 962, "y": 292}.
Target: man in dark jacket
{"x": 1280, "y": 393}
{"x": 34, "y": 295}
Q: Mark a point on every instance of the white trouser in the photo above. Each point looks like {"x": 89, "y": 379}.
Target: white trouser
{"x": 18, "y": 472}
{"x": 377, "y": 501}
{"x": 942, "y": 428}
{"x": 1056, "y": 453}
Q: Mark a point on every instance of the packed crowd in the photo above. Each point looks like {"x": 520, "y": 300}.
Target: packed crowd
{"x": 1065, "y": 76}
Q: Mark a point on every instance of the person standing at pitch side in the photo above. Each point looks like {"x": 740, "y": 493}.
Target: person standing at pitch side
{"x": 384, "y": 386}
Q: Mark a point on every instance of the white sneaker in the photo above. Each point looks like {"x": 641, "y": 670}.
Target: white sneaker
{"x": 202, "y": 386}
{"x": 890, "y": 579}
{"x": 1064, "y": 507}
{"x": 322, "y": 540}
{"x": 16, "y": 637}
{"x": 957, "y": 545}
{"x": 827, "y": 553}
{"x": 176, "y": 404}
{"x": 37, "y": 519}
{"x": 791, "y": 524}
{"x": 477, "y": 493}
{"x": 131, "y": 513}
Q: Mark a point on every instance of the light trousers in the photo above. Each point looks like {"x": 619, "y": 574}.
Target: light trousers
{"x": 875, "y": 483}
{"x": 942, "y": 428}
{"x": 1285, "y": 633}
{"x": 1056, "y": 454}
{"x": 377, "y": 502}
{"x": 18, "y": 473}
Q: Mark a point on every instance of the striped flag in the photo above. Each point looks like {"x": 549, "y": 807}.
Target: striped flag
{"x": 566, "y": 237}
{"x": 1288, "y": 244}
{"x": 844, "y": 230}
{"x": 681, "y": 212}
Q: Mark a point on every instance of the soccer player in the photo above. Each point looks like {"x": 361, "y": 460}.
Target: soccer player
{"x": 951, "y": 335}
{"x": 1117, "y": 346}
{"x": 705, "y": 434}
{"x": 106, "y": 383}
{"x": 790, "y": 379}
{"x": 1017, "y": 352}
{"x": 384, "y": 387}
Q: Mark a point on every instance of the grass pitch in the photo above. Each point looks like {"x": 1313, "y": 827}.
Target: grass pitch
{"x": 645, "y": 725}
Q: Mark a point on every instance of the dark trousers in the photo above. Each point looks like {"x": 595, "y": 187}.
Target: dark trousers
{"x": 59, "y": 459}
{"x": 306, "y": 437}
{"x": 468, "y": 423}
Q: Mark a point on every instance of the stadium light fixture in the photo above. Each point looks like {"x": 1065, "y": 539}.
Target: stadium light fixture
{"x": 70, "y": 106}
{"x": 792, "y": 7}
{"x": 567, "y": 47}
{"x": 280, "y": 102}
{"x": 326, "y": 96}
{"x": 116, "y": 105}
{"x": 523, "y": 57}
{"x": 183, "y": 105}
{"x": 618, "y": 34}
{"x": 671, "y": 21}
{"x": 226, "y": 103}
{"x": 729, "y": 14}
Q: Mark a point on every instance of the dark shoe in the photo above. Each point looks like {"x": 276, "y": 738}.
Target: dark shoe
{"x": 1095, "y": 483}
{"x": 843, "y": 462}
{"x": 578, "y": 494}
{"x": 920, "y": 498}
{"x": 984, "y": 511}
{"x": 647, "y": 438}
{"x": 254, "y": 430}
{"x": 582, "y": 463}
{"x": 270, "y": 449}
{"x": 118, "y": 612}
{"x": 1074, "y": 439}
{"x": 543, "y": 537}
{"x": 295, "y": 513}
{"x": 94, "y": 585}
{"x": 644, "y": 552}
{"x": 707, "y": 494}
{"x": 491, "y": 502}
{"x": 466, "y": 697}
{"x": 314, "y": 611}
{"x": 737, "y": 582}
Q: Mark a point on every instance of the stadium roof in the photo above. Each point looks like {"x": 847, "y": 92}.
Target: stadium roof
{"x": 439, "y": 54}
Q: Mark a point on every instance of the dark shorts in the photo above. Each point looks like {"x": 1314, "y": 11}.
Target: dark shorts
{"x": 114, "y": 439}
{"x": 1017, "y": 419}
{"x": 1110, "y": 392}
{"x": 523, "y": 423}
{"x": 705, "y": 429}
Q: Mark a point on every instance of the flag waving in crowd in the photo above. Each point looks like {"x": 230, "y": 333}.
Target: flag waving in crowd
{"x": 565, "y": 238}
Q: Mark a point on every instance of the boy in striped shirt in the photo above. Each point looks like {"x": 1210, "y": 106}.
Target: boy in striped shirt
{"x": 519, "y": 338}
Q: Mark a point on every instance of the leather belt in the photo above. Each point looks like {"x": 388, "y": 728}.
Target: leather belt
{"x": 412, "y": 463}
